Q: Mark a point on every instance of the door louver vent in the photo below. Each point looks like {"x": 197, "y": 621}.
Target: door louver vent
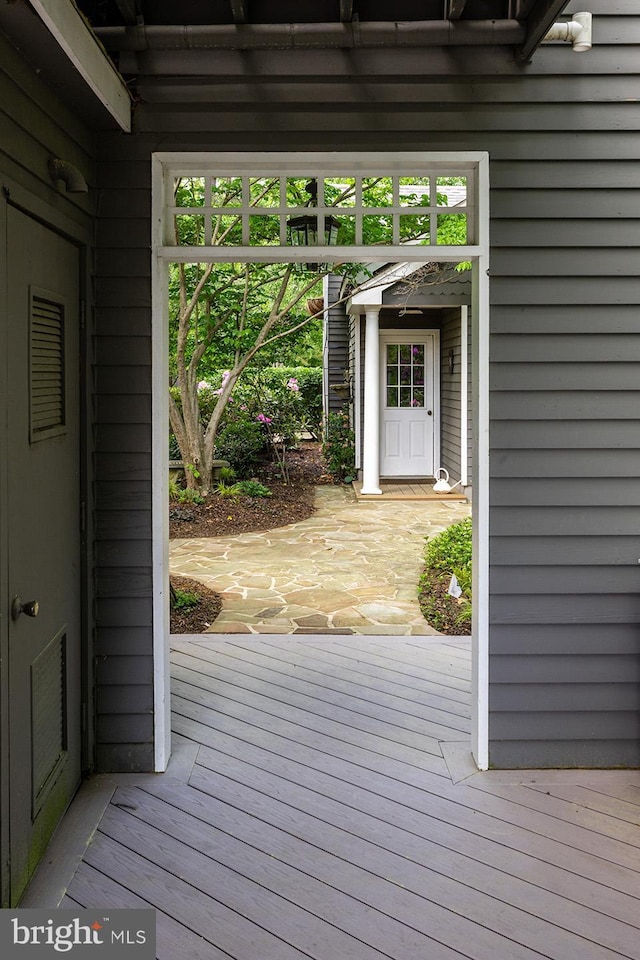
{"x": 47, "y": 367}
{"x": 48, "y": 718}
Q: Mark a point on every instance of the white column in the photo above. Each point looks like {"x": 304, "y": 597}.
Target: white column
{"x": 371, "y": 419}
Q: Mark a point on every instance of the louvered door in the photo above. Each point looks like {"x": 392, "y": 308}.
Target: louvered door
{"x": 44, "y": 538}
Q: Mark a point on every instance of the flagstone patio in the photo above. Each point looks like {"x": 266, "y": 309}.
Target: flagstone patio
{"x": 353, "y": 567}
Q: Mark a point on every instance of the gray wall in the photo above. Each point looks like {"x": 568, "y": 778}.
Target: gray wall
{"x": 34, "y": 124}
{"x": 336, "y": 357}
{"x": 451, "y": 445}
{"x": 565, "y": 525}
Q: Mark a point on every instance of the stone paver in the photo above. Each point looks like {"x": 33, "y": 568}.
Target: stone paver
{"x": 353, "y": 567}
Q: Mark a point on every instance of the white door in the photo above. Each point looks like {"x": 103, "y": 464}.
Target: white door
{"x": 408, "y": 403}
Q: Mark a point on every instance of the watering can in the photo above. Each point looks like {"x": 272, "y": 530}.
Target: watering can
{"x": 442, "y": 484}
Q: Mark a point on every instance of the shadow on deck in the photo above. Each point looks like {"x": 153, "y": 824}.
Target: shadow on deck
{"x": 321, "y": 803}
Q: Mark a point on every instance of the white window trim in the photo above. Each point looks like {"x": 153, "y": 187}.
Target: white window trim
{"x": 164, "y": 167}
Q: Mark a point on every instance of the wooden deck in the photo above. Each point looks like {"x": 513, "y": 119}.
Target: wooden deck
{"x": 321, "y": 804}
{"x": 406, "y": 490}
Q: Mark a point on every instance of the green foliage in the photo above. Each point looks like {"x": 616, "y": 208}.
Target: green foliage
{"x": 227, "y": 489}
{"x": 449, "y": 553}
{"x": 451, "y": 549}
{"x": 184, "y": 599}
{"x": 174, "y": 448}
{"x": 242, "y": 442}
{"x": 182, "y": 494}
{"x": 227, "y": 473}
{"x": 252, "y": 488}
{"x": 338, "y": 448}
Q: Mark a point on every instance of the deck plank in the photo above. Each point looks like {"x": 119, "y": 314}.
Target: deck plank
{"x": 459, "y": 882}
{"x": 335, "y": 739}
{"x": 625, "y": 843}
{"x": 592, "y": 800}
{"x": 291, "y": 705}
{"x": 344, "y": 695}
{"x": 187, "y": 900}
{"x": 93, "y": 888}
{"x": 402, "y": 683}
{"x": 298, "y": 667}
{"x": 305, "y": 816}
{"x": 356, "y": 802}
{"x": 328, "y": 887}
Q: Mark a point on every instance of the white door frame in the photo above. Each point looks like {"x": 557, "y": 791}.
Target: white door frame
{"x": 164, "y": 168}
{"x": 400, "y": 336}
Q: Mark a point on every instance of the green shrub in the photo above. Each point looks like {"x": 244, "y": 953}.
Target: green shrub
{"x": 242, "y": 442}
{"x": 451, "y": 549}
{"x": 227, "y": 489}
{"x": 252, "y": 488}
{"x": 184, "y": 599}
{"x": 182, "y": 495}
{"x": 448, "y": 554}
{"x": 338, "y": 448}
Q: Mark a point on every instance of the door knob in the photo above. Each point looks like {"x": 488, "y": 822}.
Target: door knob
{"x": 31, "y": 608}
{"x": 429, "y": 413}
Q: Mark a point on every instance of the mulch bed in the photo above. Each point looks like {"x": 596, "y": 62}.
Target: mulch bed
{"x": 226, "y": 516}
{"x": 195, "y": 619}
{"x": 440, "y": 609}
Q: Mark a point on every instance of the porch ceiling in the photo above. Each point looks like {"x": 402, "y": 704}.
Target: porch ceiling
{"x": 283, "y": 24}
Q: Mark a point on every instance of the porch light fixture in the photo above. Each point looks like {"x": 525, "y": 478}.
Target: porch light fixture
{"x": 303, "y": 230}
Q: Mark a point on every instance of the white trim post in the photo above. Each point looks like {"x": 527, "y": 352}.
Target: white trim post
{"x": 160, "y": 486}
{"x": 371, "y": 451}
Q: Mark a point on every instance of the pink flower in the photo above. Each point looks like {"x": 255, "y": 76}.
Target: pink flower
{"x": 261, "y": 417}
{"x": 203, "y": 385}
{"x": 292, "y": 384}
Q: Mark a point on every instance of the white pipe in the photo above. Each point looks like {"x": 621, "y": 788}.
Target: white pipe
{"x": 578, "y": 31}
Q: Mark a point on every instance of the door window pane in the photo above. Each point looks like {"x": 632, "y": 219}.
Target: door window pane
{"x": 405, "y": 369}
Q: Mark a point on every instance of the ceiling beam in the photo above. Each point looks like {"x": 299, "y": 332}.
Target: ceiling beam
{"x": 454, "y": 8}
{"x": 541, "y": 18}
{"x": 239, "y": 10}
{"x": 346, "y": 11}
{"x": 74, "y": 36}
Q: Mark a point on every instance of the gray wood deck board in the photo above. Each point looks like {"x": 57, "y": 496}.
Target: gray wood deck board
{"x": 459, "y": 882}
{"x": 403, "y": 685}
{"x": 440, "y": 671}
{"x": 275, "y": 699}
{"x": 304, "y": 817}
{"x": 362, "y": 687}
{"x": 427, "y": 835}
{"x": 337, "y": 739}
{"x": 626, "y": 843}
{"x": 321, "y": 879}
{"x": 342, "y": 694}
{"x": 232, "y": 932}
{"x": 92, "y": 888}
{"x": 299, "y": 885}
{"x": 592, "y": 800}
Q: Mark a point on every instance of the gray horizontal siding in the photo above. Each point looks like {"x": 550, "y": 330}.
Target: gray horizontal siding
{"x": 450, "y": 408}
{"x": 123, "y": 470}
{"x": 336, "y": 361}
{"x": 563, "y": 136}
